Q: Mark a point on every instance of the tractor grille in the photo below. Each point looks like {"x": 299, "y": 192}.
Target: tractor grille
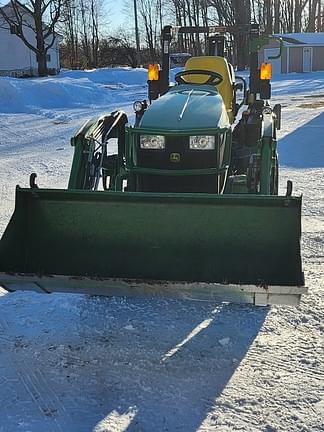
{"x": 174, "y": 146}
{"x": 177, "y": 156}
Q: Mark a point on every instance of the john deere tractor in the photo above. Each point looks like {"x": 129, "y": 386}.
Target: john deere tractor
{"x": 185, "y": 205}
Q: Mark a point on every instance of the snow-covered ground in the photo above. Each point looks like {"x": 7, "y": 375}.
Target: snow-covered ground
{"x": 73, "y": 363}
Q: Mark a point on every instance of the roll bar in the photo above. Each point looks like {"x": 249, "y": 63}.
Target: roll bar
{"x": 216, "y": 47}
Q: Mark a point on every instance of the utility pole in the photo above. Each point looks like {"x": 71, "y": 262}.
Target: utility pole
{"x": 138, "y": 48}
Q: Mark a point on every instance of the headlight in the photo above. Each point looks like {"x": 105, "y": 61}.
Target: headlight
{"x": 202, "y": 142}
{"x": 154, "y": 142}
{"x": 138, "y": 106}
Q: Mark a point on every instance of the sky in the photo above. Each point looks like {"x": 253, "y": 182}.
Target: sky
{"x": 118, "y": 15}
{"x": 117, "y": 11}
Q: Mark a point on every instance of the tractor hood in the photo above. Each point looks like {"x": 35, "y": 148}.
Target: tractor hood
{"x": 187, "y": 107}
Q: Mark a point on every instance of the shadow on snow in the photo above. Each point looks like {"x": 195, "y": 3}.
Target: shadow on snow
{"x": 96, "y": 364}
{"x": 304, "y": 147}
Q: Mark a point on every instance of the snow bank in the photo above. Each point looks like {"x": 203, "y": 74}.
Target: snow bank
{"x": 121, "y": 76}
{"x": 70, "y": 89}
{"x": 99, "y": 87}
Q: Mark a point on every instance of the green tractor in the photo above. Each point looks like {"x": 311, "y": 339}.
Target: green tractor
{"x": 185, "y": 205}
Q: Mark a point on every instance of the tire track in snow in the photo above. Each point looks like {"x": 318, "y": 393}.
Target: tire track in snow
{"x": 39, "y": 390}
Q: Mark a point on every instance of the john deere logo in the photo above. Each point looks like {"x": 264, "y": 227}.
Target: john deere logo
{"x": 175, "y": 157}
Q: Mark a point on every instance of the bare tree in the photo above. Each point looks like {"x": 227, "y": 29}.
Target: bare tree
{"x": 275, "y": 16}
{"x": 137, "y": 37}
{"x": 38, "y": 18}
{"x": 90, "y": 22}
{"x": 69, "y": 27}
{"x": 118, "y": 50}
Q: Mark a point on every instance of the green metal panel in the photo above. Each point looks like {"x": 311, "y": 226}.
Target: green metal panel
{"x": 178, "y": 237}
{"x": 185, "y": 106}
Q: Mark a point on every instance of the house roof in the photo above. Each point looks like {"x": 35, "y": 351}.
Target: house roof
{"x": 302, "y": 38}
{"x": 8, "y": 7}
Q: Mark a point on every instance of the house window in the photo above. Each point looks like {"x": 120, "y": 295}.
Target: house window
{"x": 48, "y": 57}
{"x": 14, "y": 29}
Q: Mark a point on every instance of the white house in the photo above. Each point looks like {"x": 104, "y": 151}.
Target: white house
{"x": 16, "y": 59}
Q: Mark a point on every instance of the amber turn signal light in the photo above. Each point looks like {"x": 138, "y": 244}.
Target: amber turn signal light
{"x": 266, "y": 71}
{"x": 153, "y": 72}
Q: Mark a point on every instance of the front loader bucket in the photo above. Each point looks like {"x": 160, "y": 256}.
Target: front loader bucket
{"x": 91, "y": 241}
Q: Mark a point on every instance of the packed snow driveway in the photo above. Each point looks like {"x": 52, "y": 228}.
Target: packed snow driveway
{"x": 78, "y": 364}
